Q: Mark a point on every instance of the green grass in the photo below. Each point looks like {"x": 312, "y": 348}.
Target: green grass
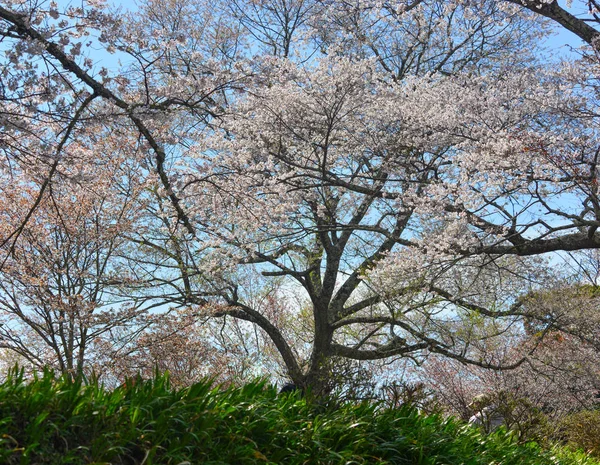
{"x": 56, "y": 421}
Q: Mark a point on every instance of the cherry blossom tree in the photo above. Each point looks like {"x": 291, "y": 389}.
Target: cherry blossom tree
{"x": 377, "y": 199}
{"x": 405, "y": 167}
{"x": 84, "y": 153}
{"x": 59, "y": 287}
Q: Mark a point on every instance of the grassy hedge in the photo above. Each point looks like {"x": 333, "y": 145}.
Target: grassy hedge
{"x": 57, "y": 421}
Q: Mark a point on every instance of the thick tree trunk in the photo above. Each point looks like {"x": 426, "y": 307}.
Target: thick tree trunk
{"x": 317, "y": 377}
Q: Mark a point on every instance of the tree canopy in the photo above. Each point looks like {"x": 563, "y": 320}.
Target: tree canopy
{"x": 402, "y": 171}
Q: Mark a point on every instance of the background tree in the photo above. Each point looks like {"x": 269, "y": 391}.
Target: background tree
{"x": 59, "y": 285}
{"x": 227, "y": 350}
{"x": 559, "y": 379}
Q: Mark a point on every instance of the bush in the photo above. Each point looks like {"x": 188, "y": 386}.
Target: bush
{"x": 581, "y": 430}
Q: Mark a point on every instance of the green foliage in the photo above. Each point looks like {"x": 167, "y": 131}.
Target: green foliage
{"x": 61, "y": 421}
{"x": 581, "y": 430}
{"x": 519, "y": 415}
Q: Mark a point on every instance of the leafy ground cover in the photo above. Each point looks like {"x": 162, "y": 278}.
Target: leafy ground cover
{"x": 57, "y": 421}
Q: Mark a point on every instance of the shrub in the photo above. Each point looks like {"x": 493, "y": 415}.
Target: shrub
{"x": 581, "y": 430}
{"x": 59, "y": 421}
